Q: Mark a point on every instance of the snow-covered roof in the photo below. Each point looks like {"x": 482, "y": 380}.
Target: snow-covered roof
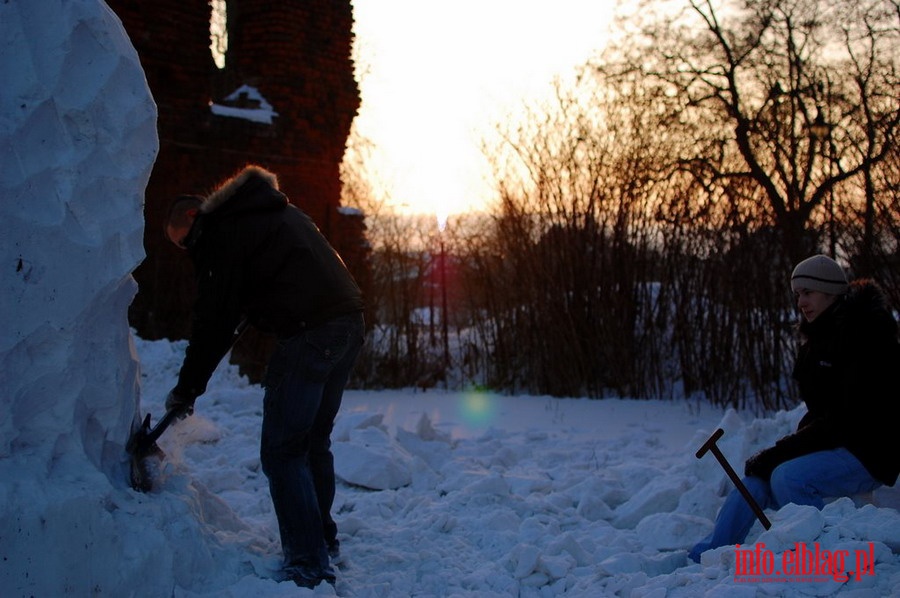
{"x": 348, "y": 211}
{"x": 252, "y": 106}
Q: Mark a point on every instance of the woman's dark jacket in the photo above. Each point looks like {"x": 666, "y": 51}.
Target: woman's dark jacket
{"x": 260, "y": 259}
{"x": 848, "y": 373}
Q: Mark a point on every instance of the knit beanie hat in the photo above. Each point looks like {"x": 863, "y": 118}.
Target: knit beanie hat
{"x": 819, "y": 273}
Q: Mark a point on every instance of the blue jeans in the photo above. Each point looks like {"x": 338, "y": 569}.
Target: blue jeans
{"x": 806, "y": 480}
{"x": 304, "y": 383}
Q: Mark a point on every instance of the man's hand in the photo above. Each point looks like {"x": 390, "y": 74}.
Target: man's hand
{"x": 183, "y": 406}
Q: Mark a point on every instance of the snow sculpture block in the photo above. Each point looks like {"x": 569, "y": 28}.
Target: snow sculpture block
{"x": 77, "y": 143}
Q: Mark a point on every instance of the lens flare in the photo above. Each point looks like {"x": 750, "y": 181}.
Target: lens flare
{"x": 477, "y": 408}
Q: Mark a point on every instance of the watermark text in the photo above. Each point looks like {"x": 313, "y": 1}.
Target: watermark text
{"x": 803, "y": 564}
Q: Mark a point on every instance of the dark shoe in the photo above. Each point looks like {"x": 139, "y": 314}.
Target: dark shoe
{"x": 308, "y": 577}
{"x": 334, "y": 550}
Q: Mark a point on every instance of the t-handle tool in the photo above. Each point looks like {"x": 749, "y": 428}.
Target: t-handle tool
{"x": 142, "y": 447}
{"x": 710, "y": 446}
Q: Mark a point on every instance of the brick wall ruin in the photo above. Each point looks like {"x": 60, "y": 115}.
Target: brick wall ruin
{"x": 295, "y": 55}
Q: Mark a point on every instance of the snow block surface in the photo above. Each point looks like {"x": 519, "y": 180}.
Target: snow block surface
{"x": 77, "y": 142}
{"x": 77, "y": 145}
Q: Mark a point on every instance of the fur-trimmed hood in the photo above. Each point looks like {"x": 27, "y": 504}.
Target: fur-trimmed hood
{"x": 228, "y": 188}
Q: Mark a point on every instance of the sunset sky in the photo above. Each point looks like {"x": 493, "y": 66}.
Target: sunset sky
{"x": 436, "y": 76}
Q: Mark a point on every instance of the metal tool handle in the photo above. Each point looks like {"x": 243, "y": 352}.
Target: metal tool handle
{"x": 710, "y": 445}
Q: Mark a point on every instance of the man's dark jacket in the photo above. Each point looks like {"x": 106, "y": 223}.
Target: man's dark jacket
{"x": 848, "y": 373}
{"x": 260, "y": 259}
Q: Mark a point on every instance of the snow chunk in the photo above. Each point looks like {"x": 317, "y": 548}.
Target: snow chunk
{"x": 373, "y": 460}
{"x": 660, "y": 495}
{"x": 672, "y": 531}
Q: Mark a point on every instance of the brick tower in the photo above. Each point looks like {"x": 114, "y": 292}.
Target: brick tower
{"x": 285, "y": 100}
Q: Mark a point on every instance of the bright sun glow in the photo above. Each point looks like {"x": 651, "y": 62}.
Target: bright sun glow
{"x": 436, "y": 77}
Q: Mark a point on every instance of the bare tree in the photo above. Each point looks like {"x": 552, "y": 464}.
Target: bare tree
{"x": 647, "y": 219}
{"x": 804, "y": 92}
{"x": 566, "y": 273}
{"x": 780, "y": 117}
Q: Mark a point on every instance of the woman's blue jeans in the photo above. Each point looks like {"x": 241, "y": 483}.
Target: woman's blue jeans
{"x": 304, "y": 383}
{"x": 806, "y": 480}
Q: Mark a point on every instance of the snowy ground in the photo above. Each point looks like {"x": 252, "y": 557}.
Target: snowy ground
{"x": 450, "y": 494}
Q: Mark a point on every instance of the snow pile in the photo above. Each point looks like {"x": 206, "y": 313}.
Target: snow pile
{"x": 77, "y": 143}
{"x": 475, "y": 494}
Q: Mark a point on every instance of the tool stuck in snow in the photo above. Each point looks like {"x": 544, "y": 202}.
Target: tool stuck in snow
{"x": 146, "y": 456}
{"x": 710, "y": 446}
